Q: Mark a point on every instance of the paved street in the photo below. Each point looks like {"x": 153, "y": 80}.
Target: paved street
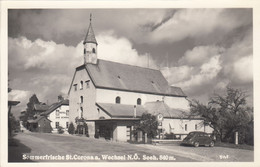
{"x": 42, "y": 147}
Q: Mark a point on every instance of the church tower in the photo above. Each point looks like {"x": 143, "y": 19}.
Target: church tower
{"x": 90, "y": 46}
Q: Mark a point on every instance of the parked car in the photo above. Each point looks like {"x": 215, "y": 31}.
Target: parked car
{"x": 198, "y": 138}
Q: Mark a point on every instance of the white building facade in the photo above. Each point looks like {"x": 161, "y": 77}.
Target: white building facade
{"x": 58, "y": 114}
{"x": 111, "y": 97}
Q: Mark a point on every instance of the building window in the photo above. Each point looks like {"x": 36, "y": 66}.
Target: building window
{"x": 196, "y": 127}
{"x": 75, "y": 87}
{"x": 139, "y": 101}
{"x": 57, "y": 113}
{"x": 67, "y": 125}
{"x": 93, "y": 50}
{"x": 85, "y": 51}
{"x": 87, "y": 84}
{"x": 57, "y": 124}
{"x": 67, "y": 112}
{"x": 186, "y": 127}
{"x": 81, "y": 85}
{"x": 81, "y": 99}
{"x": 118, "y": 99}
{"x": 81, "y": 110}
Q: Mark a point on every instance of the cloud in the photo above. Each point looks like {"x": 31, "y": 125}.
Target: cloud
{"x": 46, "y": 68}
{"x": 198, "y": 23}
{"x": 243, "y": 69}
{"x": 200, "y": 54}
{"x": 200, "y": 77}
{"x": 140, "y": 25}
{"x": 120, "y": 49}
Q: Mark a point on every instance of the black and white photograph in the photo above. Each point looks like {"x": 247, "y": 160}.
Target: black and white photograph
{"x": 142, "y": 85}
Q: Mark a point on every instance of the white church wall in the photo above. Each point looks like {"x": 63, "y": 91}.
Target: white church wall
{"x": 89, "y": 97}
{"x": 130, "y": 98}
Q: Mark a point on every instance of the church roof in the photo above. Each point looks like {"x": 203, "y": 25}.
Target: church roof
{"x": 90, "y": 37}
{"x": 117, "y": 76}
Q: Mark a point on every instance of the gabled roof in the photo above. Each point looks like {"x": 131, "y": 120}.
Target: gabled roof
{"x": 159, "y": 107}
{"x": 54, "y": 106}
{"x": 37, "y": 119}
{"x": 90, "y": 37}
{"x": 121, "y": 110}
{"x": 41, "y": 107}
{"x": 117, "y": 76}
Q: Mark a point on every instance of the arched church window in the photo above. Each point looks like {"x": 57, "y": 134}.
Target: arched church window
{"x": 93, "y": 50}
{"x": 118, "y": 99}
{"x": 139, "y": 101}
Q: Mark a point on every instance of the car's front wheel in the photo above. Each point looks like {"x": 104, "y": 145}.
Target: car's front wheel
{"x": 196, "y": 144}
{"x": 211, "y": 144}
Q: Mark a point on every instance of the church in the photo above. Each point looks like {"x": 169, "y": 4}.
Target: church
{"x": 111, "y": 97}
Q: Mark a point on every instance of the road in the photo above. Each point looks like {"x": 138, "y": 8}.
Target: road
{"x": 42, "y": 147}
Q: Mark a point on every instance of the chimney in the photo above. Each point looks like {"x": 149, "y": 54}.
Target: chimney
{"x": 60, "y": 98}
{"x": 134, "y": 111}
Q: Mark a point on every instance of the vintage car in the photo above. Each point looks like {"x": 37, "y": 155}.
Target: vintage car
{"x": 197, "y": 138}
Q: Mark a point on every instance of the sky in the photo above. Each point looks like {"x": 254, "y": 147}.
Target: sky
{"x": 200, "y": 50}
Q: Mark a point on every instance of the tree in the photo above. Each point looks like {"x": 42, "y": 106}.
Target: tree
{"x": 29, "y": 110}
{"x": 148, "y": 124}
{"x": 71, "y": 128}
{"x": 30, "y": 105}
{"x": 226, "y": 114}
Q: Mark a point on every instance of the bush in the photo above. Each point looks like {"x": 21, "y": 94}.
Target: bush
{"x": 71, "y": 128}
{"x": 60, "y": 130}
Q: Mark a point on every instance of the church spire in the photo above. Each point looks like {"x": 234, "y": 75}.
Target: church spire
{"x": 90, "y": 45}
{"x": 90, "y": 37}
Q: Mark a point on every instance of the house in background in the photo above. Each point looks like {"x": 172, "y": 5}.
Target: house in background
{"x": 58, "y": 114}
{"x": 40, "y": 108}
{"x": 39, "y": 124}
{"x": 111, "y": 97}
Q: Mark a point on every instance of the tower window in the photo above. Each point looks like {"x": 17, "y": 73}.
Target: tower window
{"x": 186, "y": 127}
{"x": 118, "y": 99}
{"x": 93, "y": 50}
{"x": 85, "y": 51}
{"x": 139, "y": 101}
{"x": 196, "y": 127}
{"x": 81, "y": 84}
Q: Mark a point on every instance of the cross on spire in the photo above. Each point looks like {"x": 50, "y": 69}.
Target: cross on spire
{"x": 90, "y": 18}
